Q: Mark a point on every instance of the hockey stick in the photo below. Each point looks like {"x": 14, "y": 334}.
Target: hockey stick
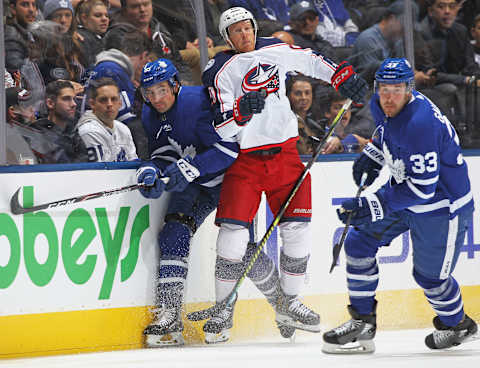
{"x": 209, "y": 312}
{"x": 338, "y": 247}
{"x": 17, "y": 209}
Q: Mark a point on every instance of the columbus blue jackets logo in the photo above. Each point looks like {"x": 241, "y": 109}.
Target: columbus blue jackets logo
{"x": 263, "y": 76}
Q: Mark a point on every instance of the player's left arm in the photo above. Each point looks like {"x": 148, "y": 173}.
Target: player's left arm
{"x": 342, "y": 77}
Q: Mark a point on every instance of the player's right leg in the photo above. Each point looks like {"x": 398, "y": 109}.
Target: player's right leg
{"x": 231, "y": 246}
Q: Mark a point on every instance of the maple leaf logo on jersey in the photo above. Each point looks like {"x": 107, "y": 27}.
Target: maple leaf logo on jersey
{"x": 188, "y": 151}
{"x": 397, "y": 166}
{"x": 263, "y": 76}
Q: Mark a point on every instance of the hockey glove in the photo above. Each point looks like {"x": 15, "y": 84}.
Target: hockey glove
{"x": 181, "y": 174}
{"x": 364, "y": 209}
{"x": 349, "y": 83}
{"x": 247, "y": 105}
{"x": 148, "y": 174}
{"x": 371, "y": 161}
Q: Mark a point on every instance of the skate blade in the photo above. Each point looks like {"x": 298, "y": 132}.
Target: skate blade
{"x": 214, "y": 338}
{"x": 359, "y": 347}
{"x": 297, "y": 325}
{"x": 160, "y": 341}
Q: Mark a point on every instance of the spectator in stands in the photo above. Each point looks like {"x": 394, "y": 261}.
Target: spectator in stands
{"x": 366, "y": 13}
{"x": 303, "y": 23}
{"x": 453, "y": 55}
{"x": 92, "y": 24}
{"x": 345, "y": 139}
{"x": 20, "y": 114}
{"x": 265, "y": 9}
{"x": 335, "y": 24}
{"x": 179, "y": 17}
{"x": 58, "y": 129}
{"x": 127, "y": 51}
{"x": 63, "y": 57}
{"x": 475, "y": 31}
{"x": 106, "y": 138}
{"x": 377, "y": 43}
{"x": 17, "y": 36}
{"x": 300, "y": 92}
{"x": 139, "y": 13}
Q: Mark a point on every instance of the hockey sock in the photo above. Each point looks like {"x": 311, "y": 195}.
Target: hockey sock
{"x": 362, "y": 281}
{"x": 444, "y": 296}
{"x": 264, "y": 274}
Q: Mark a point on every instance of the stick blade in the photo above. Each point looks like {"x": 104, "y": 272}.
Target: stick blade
{"x": 15, "y": 206}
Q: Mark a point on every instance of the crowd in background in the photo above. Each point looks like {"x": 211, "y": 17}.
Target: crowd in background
{"x": 66, "y": 60}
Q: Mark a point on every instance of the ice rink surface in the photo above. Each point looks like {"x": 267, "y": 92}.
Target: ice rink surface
{"x": 394, "y": 349}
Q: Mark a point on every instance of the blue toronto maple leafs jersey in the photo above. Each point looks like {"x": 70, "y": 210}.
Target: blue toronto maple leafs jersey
{"x": 187, "y": 129}
{"x": 422, "y": 151}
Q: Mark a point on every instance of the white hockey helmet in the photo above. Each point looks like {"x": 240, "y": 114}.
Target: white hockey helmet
{"x": 232, "y": 16}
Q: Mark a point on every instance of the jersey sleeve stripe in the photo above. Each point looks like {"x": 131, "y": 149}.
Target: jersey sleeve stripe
{"x": 226, "y": 150}
{"x": 162, "y": 157}
{"x": 418, "y": 192}
{"x": 425, "y": 181}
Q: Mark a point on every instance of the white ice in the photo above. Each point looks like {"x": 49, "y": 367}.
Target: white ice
{"x": 394, "y": 349}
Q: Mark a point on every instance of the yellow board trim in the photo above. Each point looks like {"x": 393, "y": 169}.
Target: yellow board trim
{"x": 121, "y": 328}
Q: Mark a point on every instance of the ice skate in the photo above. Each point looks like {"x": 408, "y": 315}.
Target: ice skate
{"x": 166, "y": 328}
{"x": 292, "y": 314}
{"x": 217, "y": 328}
{"x": 354, "y": 336}
{"x": 445, "y": 337}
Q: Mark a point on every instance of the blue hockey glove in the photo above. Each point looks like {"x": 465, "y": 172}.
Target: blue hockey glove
{"x": 181, "y": 173}
{"x": 349, "y": 83}
{"x": 364, "y": 209}
{"x": 149, "y": 174}
{"x": 247, "y": 105}
{"x": 371, "y": 161}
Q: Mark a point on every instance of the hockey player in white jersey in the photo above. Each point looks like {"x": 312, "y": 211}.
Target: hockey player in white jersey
{"x": 428, "y": 193}
{"x": 247, "y": 88}
{"x": 106, "y": 139}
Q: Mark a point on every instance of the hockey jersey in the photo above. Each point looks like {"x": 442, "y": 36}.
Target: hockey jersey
{"x": 105, "y": 144}
{"x": 229, "y": 76}
{"x": 421, "y": 148}
{"x": 187, "y": 130}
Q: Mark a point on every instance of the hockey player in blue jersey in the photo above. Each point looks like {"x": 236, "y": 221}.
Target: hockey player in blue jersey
{"x": 184, "y": 148}
{"x": 428, "y": 193}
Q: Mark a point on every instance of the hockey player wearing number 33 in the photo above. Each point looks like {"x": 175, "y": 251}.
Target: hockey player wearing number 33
{"x": 428, "y": 193}
{"x": 247, "y": 88}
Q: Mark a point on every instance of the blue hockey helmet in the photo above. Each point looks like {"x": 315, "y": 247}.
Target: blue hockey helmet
{"x": 158, "y": 71}
{"x": 395, "y": 70}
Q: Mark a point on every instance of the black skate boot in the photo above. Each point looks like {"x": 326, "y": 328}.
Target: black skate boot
{"x": 445, "y": 337}
{"x": 217, "y": 328}
{"x": 354, "y": 336}
{"x": 292, "y": 314}
{"x": 166, "y": 328}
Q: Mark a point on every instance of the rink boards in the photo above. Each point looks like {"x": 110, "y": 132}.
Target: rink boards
{"x": 80, "y": 277}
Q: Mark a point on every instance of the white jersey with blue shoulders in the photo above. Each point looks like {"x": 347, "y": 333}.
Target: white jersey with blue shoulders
{"x": 428, "y": 173}
{"x": 230, "y": 75}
